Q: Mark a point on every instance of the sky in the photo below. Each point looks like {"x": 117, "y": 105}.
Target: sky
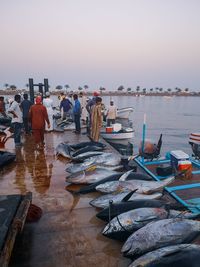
{"x": 146, "y": 43}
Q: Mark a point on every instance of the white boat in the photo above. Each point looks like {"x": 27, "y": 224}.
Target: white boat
{"x": 125, "y": 133}
{"x": 124, "y": 113}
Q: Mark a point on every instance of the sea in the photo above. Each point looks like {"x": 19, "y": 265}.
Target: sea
{"x": 175, "y": 117}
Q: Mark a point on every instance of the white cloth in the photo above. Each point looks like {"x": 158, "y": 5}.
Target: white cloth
{"x": 83, "y": 102}
{"x": 16, "y": 108}
{"x": 48, "y": 103}
{"x": 112, "y": 113}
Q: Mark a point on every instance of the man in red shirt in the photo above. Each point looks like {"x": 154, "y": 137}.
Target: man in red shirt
{"x": 37, "y": 116}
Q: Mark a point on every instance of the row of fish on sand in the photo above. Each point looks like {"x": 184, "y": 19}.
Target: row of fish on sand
{"x": 155, "y": 232}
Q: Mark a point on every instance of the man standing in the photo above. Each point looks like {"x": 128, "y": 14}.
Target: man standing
{"x": 16, "y": 121}
{"x": 89, "y": 106}
{"x": 111, "y": 114}
{"x": 25, "y": 105}
{"x": 38, "y": 116}
{"x": 48, "y": 103}
{"x": 66, "y": 105}
{"x": 96, "y": 119}
{"x": 77, "y": 114}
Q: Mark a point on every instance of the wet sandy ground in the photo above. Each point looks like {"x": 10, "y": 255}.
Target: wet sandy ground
{"x": 68, "y": 233}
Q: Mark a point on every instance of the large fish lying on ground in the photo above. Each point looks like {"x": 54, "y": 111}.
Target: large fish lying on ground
{"x": 123, "y": 206}
{"x": 122, "y": 226}
{"x": 84, "y": 144}
{"x": 110, "y": 159}
{"x": 90, "y": 176}
{"x": 114, "y": 177}
{"x": 146, "y": 187}
{"x": 183, "y": 255}
{"x": 78, "y": 167}
{"x": 64, "y": 150}
{"x": 160, "y": 234}
{"x": 87, "y": 149}
{"x": 103, "y": 201}
{"x": 105, "y": 159}
{"x": 86, "y": 155}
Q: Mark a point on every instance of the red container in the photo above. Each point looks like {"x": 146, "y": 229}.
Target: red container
{"x": 109, "y": 129}
{"x": 184, "y": 165}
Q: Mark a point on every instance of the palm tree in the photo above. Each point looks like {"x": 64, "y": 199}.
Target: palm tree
{"x": 86, "y": 87}
{"x": 144, "y": 90}
{"x": 138, "y": 88}
{"x": 186, "y": 89}
{"x": 151, "y": 90}
{"x": 59, "y": 87}
{"x": 6, "y": 85}
{"x": 67, "y": 86}
{"x": 128, "y": 89}
{"x": 80, "y": 88}
{"x": 13, "y": 87}
{"x": 120, "y": 88}
{"x": 27, "y": 85}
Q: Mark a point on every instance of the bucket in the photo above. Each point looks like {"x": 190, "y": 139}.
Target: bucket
{"x": 184, "y": 165}
{"x": 109, "y": 129}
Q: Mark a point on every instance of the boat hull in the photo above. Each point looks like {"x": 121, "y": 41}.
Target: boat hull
{"x": 124, "y": 113}
{"x": 118, "y": 136}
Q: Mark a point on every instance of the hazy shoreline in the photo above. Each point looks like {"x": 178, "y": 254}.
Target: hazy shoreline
{"x": 108, "y": 93}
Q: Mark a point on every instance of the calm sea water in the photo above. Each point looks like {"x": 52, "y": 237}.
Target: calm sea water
{"x": 174, "y": 117}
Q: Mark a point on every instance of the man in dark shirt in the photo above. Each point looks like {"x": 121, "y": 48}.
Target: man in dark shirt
{"x": 25, "y": 106}
{"x": 66, "y": 105}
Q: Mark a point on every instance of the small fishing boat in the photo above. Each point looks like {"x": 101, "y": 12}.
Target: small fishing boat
{"x": 123, "y": 133}
{"x": 124, "y": 113}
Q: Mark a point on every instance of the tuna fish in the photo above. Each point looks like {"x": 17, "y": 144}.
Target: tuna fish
{"x": 103, "y": 201}
{"x": 86, "y": 155}
{"x": 64, "y": 150}
{"x": 110, "y": 159}
{"x": 114, "y": 177}
{"x": 78, "y": 167}
{"x": 146, "y": 187}
{"x": 84, "y": 144}
{"x": 87, "y": 149}
{"x": 90, "y": 176}
{"x": 123, "y": 206}
{"x": 160, "y": 234}
{"x": 184, "y": 255}
{"x": 126, "y": 223}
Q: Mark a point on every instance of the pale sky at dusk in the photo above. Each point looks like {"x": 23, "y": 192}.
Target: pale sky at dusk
{"x": 151, "y": 43}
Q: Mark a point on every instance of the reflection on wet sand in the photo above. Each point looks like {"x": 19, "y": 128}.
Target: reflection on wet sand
{"x": 68, "y": 233}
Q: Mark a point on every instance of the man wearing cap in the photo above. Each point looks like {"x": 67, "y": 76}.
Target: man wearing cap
{"x": 38, "y": 116}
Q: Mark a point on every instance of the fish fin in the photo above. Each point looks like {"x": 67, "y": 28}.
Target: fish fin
{"x": 145, "y": 219}
{"x": 128, "y": 196}
{"x": 91, "y": 168}
{"x": 125, "y": 175}
{"x": 175, "y": 252}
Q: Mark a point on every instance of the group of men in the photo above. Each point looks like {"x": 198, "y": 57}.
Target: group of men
{"x": 38, "y": 117}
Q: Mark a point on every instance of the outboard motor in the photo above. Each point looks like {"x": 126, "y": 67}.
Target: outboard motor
{"x": 151, "y": 150}
{"x": 194, "y": 141}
